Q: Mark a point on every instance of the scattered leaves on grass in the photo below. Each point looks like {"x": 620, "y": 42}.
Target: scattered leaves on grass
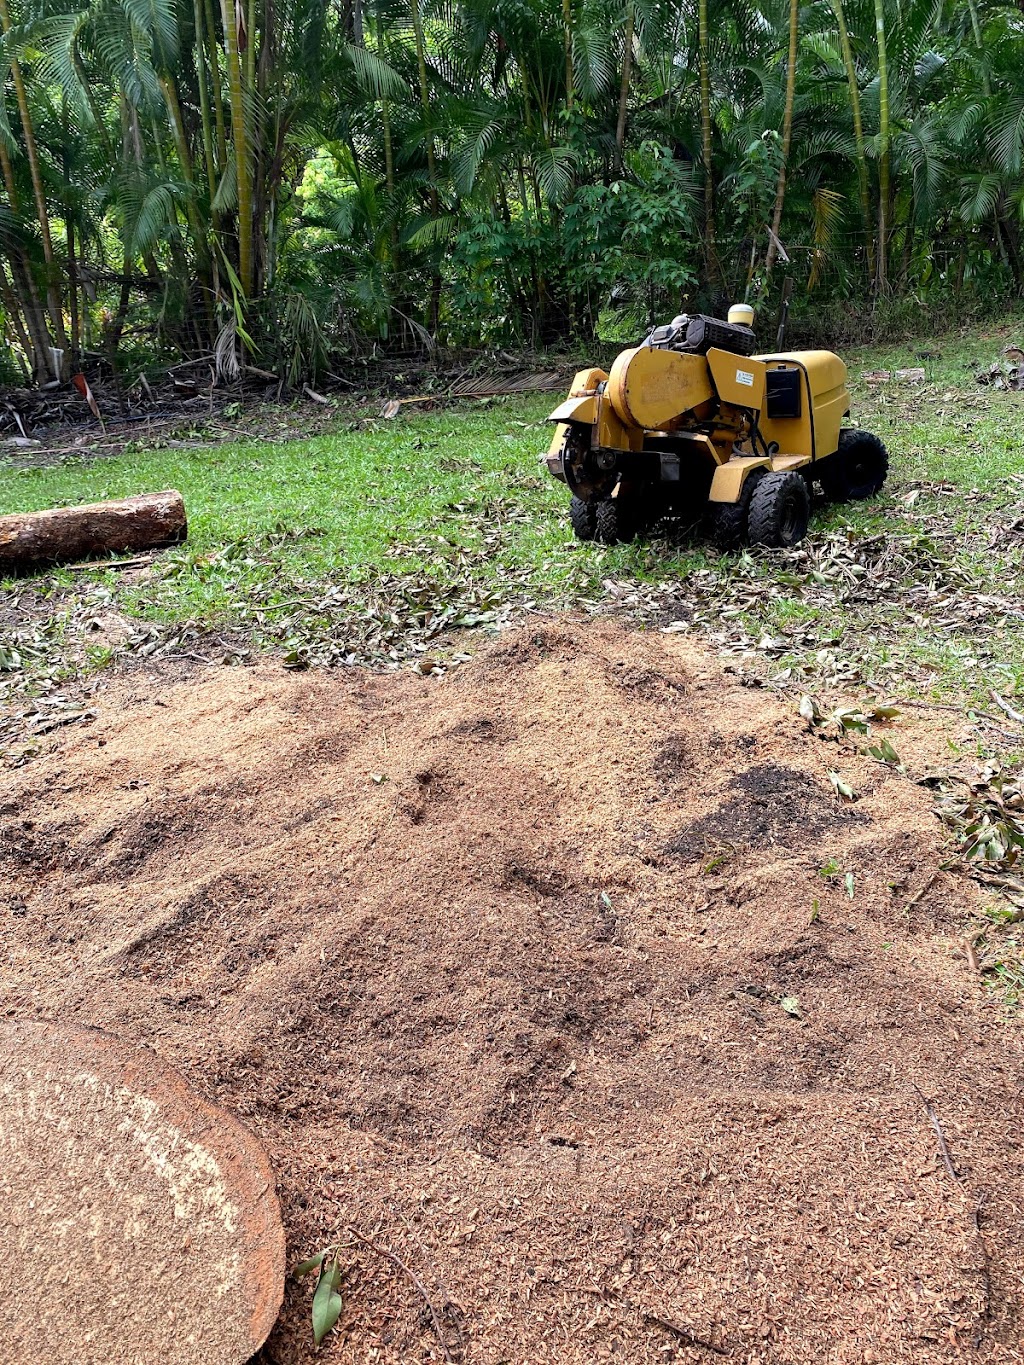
{"x": 848, "y": 607}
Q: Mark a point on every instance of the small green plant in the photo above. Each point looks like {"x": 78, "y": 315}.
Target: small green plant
{"x": 327, "y": 1299}
{"x": 831, "y": 872}
{"x": 718, "y": 859}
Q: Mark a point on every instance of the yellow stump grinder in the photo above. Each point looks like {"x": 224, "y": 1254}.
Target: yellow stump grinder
{"x": 693, "y": 423}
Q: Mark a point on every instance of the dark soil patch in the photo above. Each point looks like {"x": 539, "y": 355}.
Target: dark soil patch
{"x": 774, "y": 806}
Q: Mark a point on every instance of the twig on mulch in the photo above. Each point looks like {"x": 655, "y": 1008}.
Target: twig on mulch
{"x": 919, "y": 896}
{"x": 420, "y": 1286}
{"x": 930, "y": 705}
{"x": 683, "y": 1334}
{"x": 939, "y": 1135}
{"x": 985, "y": 716}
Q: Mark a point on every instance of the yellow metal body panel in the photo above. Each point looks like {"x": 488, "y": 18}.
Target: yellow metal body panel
{"x": 611, "y": 433}
{"x": 576, "y": 410}
{"x": 738, "y": 380}
{"x": 555, "y": 448}
{"x": 586, "y": 381}
{"x": 825, "y": 402}
{"x": 729, "y": 478}
{"x": 728, "y": 481}
{"x": 650, "y": 389}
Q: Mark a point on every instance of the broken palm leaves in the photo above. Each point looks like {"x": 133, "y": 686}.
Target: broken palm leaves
{"x": 989, "y": 820}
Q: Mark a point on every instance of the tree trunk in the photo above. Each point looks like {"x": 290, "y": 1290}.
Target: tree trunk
{"x": 76, "y": 323}
{"x": 218, "y": 103}
{"x": 704, "y": 60}
{"x": 170, "y": 93}
{"x": 40, "y": 355}
{"x": 42, "y": 213}
{"x": 240, "y": 137}
{"x": 570, "y": 75}
{"x": 627, "y": 67}
{"x": 69, "y": 238}
{"x": 43, "y": 366}
{"x": 209, "y": 156}
{"x": 61, "y": 535}
{"x": 858, "y": 133}
{"x": 787, "y": 142}
{"x": 13, "y": 310}
{"x": 421, "y": 65}
{"x": 884, "y": 190}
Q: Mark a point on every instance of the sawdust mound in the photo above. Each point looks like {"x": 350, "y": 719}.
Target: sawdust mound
{"x": 493, "y": 965}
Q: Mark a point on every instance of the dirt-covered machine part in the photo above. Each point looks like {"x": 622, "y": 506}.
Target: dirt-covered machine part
{"x": 692, "y": 423}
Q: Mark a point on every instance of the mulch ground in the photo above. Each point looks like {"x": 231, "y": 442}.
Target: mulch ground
{"x": 530, "y": 978}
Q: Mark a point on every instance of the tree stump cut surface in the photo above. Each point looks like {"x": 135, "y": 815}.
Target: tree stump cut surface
{"x": 139, "y": 1222}
{"x": 61, "y": 535}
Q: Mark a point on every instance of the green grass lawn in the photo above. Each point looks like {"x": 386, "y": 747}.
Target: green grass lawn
{"x": 402, "y": 543}
{"x": 372, "y": 542}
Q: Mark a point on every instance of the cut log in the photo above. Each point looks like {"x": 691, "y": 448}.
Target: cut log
{"x": 63, "y": 534}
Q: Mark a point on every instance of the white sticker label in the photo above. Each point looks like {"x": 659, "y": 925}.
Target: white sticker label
{"x": 745, "y": 377}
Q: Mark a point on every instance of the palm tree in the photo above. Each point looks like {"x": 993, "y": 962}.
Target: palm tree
{"x": 787, "y": 138}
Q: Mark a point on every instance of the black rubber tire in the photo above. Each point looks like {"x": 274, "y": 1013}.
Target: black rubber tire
{"x": 729, "y": 519}
{"x": 779, "y": 510}
{"x": 616, "y": 523}
{"x": 858, "y": 468}
{"x": 583, "y": 516}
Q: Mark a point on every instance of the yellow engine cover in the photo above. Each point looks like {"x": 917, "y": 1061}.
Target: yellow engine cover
{"x": 825, "y": 402}
{"x": 650, "y": 388}
{"x": 738, "y": 378}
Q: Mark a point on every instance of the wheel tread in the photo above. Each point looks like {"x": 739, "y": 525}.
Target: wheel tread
{"x": 767, "y": 505}
{"x": 836, "y": 473}
{"x": 583, "y": 516}
{"x": 729, "y": 519}
{"x": 614, "y": 524}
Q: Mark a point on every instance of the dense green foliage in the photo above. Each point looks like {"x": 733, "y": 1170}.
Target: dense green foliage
{"x": 276, "y": 182}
